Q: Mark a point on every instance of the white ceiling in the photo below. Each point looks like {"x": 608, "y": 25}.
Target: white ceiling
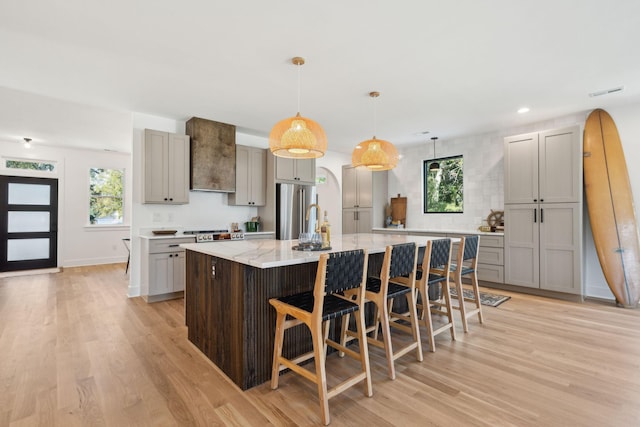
{"x": 453, "y": 68}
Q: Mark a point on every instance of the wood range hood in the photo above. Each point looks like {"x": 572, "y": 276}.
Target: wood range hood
{"x": 213, "y": 155}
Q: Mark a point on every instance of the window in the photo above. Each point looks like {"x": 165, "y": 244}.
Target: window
{"x": 35, "y": 165}
{"x": 443, "y": 188}
{"x": 106, "y": 196}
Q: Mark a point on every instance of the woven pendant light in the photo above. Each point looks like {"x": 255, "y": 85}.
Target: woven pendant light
{"x": 298, "y": 137}
{"x": 375, "y": 154}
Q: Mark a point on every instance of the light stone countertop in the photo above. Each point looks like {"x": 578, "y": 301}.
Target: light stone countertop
{"x": 422, "y": 230}
{"x": 167, "y": 236}
{"x": 278, "y": 253}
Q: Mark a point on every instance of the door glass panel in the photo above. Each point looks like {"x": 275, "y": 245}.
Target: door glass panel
{"x": 28, "y": 222}
{"x": 26, "y": 249}
{"x": 29, "y": 194}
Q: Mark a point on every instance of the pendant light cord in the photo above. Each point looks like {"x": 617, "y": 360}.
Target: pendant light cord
{"x": 298, "y": 66}
{"x": 375, "y": 117}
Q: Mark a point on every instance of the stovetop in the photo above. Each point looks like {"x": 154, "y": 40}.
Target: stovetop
{"x": 205, "y": 236}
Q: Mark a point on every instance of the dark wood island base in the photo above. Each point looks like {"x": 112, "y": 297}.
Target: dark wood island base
{"x": 229, "y": 317}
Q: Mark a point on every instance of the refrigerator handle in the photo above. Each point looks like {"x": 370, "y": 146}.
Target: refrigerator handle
{"x": 301, "y": 220}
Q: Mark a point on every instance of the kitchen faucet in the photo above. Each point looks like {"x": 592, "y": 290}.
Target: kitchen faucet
{"x": 318, "y": 210}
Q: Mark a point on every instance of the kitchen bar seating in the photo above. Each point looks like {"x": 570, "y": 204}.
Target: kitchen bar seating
{"x": 435, "y": 265}
{"x": 467, "y": 265}
{"x": 399, "y": 261}
{"x": 337, "y": 273}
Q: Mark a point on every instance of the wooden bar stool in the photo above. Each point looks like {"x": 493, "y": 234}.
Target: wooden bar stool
{"x": 435, "y": 265}
{"x": 467, "y": 265}
{"x": 399, "y": 260}
{"x": 337, "y": 273}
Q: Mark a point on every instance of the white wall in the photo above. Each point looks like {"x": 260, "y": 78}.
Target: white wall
{"x": 78, "y": 243}
{"x": 333, "y": 162}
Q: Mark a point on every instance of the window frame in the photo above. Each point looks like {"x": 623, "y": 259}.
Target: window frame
{"x": 122, "y": 198}
{"x": 425, "y": 183}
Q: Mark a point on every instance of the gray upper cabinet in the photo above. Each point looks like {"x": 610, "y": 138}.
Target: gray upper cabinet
{"x": 165, "y": 167}
{"x": 302, "y": 171}
{"x": 357, "y": 187}
{"x": 543, "y": 167}
{"x": 251, "y": 177}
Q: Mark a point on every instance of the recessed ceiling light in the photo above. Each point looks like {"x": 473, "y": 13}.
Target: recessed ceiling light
{"x": 523, "y": 110}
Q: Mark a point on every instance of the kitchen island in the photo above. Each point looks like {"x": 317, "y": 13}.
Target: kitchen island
{"x": 228, "y": 286}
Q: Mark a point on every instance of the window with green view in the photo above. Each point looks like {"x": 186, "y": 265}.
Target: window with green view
{"x": 444, "y": 186}
{"x": 106, "y": 196}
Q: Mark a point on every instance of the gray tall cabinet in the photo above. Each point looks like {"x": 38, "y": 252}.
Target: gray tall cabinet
{"x": 364, "y": 195}
{"x": 543, "y": 210}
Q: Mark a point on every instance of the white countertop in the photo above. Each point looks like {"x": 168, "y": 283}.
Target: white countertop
{"x": 278, "y": 253}
{"x": 422, "y": 230}
{"x": 180, "y": 235}
{"x": 167, "y": 236}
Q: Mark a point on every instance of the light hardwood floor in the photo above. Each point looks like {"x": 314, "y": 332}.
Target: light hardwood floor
{"x": 75, "y": 351}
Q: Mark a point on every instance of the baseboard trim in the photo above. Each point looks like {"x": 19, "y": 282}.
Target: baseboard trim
{"x": 30, "y": 272}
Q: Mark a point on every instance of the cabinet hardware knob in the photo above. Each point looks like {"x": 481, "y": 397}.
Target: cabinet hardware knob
{"x": 165, "y": 199}
{"x": 535, "y": 200}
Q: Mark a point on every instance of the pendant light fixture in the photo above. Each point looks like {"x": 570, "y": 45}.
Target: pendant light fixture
{"x": 298, "y": 137}
{"x": 434, "y": 166}
{"x": 375, "y": 154}
{"x": 27, "y": 142}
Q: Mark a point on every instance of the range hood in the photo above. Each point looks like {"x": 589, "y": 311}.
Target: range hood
{"x": 213, "y": 155}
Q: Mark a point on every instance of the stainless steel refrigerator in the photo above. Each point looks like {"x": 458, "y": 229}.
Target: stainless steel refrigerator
{"x": 292, "y": 202}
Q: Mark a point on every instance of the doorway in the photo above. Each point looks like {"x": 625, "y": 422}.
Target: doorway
{"x": 330, "y": 197}
{"x": 28, "y": 223}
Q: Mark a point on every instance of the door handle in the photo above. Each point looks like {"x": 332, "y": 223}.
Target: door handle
{"x": 541, "y": 215}
{"x": 535, "y": 213}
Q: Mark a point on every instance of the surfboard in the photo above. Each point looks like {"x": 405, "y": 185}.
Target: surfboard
{"x": 610, "y": 206}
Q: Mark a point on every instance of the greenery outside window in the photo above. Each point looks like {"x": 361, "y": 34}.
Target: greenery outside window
{"x": 444, "y": 187}
{"x": 35, "y": 165}
{"x": 106, "y": 201}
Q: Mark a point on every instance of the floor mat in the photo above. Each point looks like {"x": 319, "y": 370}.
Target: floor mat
{"x": 492, "y": 300}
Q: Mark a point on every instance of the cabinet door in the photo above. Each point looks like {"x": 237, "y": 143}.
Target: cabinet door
{"x": 522, "y": 244}
{"x": 349, "y": 187}
{"x": 258, "y": 177}
{"x": 521, "y": 169}
{"x": 243, "y": 177}
{"x": 349, "y": 223}
{"x": 364, "y": 222}
{"x": 306, "y": 171}
{"x": 178, "y": 168}
{"x": 560, "y": 253}
{"x": 285, "y": 169}
{"x": 160, "y": 274}
{"x": 156, "y": 166}
{"x": 178, "y": 271}
{"x": 365, "y": 187}
{"x": 560, "y": 166}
